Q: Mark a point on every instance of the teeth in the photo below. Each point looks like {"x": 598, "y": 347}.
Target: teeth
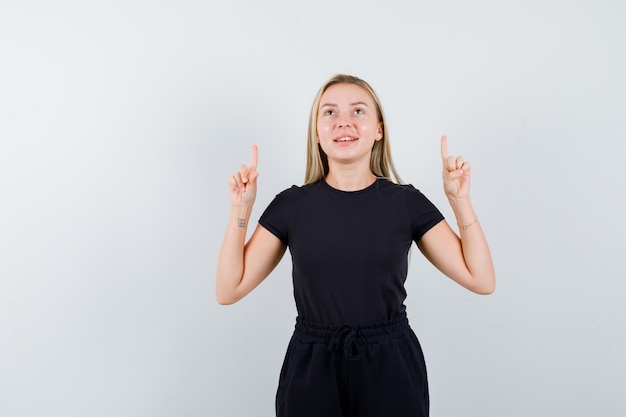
{"x": 346, "y": 139}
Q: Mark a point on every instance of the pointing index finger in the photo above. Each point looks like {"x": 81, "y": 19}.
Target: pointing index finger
{"x": 254, "y": 158}
{"x": 444, "y": 148}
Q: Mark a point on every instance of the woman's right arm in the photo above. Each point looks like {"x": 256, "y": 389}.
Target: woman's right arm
{"x": 242, "y": 266}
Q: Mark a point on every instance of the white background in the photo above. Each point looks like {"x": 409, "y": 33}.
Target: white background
{"x": 120, "y": 122}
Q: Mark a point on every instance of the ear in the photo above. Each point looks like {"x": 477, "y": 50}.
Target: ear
{"x": 379, "y": 131}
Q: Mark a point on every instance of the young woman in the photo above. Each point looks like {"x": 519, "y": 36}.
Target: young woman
{"x": 349, "y": 229}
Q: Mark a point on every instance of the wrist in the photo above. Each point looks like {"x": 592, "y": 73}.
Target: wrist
{"x": 241, "y": 215}
{"x": 242, "y": 208}
{"x": 463, "y": 212}
{"x": 460, "y": 203}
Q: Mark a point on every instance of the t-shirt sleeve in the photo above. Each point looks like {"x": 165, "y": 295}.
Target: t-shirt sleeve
{"x": 275, "y": 218}
{"x": 424, "y": 214}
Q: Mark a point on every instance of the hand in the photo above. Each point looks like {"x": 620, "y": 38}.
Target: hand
{"x": 243, "y": 183}
{"x": 456, "y": 173}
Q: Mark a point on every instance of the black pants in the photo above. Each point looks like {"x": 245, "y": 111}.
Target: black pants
{"x": 353, "y": 371}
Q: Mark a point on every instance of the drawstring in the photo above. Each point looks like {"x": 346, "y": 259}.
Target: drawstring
{"x": 350, "y": 338}
{"x": 348, "y": 334}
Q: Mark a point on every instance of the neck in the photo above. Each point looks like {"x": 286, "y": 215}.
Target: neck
{"x": 350, "y": 181}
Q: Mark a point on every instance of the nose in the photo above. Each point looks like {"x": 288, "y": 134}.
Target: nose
{"x": 344, "y": 122}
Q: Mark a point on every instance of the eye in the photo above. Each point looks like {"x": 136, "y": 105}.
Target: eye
{"x": 359, "y": 110}
{"x": 329, "y": 112}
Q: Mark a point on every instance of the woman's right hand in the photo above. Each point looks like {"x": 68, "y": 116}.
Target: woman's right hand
{"x": 242, "y": 184}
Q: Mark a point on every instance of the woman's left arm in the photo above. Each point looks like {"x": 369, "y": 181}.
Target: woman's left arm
{"x": 465, "y": 259}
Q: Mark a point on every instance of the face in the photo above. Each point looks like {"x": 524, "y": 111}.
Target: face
{"x": 347, "y": 124}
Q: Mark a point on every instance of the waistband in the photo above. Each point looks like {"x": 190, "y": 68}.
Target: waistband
{"x": 348, "y": 336}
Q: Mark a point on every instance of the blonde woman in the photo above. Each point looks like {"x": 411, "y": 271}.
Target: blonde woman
{"x": 349, "y": 229}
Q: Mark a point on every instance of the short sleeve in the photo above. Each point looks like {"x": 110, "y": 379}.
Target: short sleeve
{"x": 424, "y": 215}
{"x": 275, "y": 218}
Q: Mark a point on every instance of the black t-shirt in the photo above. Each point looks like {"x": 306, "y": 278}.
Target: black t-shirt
{"x": 350, "y": 249}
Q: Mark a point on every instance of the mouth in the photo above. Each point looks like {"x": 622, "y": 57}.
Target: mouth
{"x": 345, "y": 139}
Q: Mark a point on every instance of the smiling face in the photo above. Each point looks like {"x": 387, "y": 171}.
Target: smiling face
{"x": 348, "y": 124}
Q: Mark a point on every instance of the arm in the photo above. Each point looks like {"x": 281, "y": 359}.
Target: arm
{"x": 466, "y": 259}
{"x": 242, "y": 266}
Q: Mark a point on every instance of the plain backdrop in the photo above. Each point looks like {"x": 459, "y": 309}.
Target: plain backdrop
{"x": 120, "y": 122}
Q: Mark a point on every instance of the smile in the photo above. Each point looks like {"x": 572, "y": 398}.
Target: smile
{"x": 345, "y": 139}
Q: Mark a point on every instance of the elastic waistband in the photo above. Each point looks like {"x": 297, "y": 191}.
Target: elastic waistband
{"x": 350, "y": 335}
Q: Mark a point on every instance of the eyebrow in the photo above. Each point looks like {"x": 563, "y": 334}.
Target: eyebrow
{"x": 356, "y": 103}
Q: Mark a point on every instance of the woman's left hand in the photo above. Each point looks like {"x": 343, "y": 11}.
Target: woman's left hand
{"x": 456, "y": 173}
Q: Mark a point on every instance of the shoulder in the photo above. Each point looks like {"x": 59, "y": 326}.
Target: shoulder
{"x": 402, "y": 190}
{"x": 411, "y": 191}
{"x": 296, "y": 191}
{"x": 411, "y": 196}
{"x": 295, "y": 194}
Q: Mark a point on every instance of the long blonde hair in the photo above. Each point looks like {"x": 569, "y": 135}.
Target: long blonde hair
{"x": 381, "y": 163}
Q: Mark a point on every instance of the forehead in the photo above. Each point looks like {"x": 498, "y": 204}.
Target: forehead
{"x": 345, "y": 93}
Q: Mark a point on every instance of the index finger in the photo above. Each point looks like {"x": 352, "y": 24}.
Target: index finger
{"x": 444, "y": 148}
{"x": 254, "y": 158}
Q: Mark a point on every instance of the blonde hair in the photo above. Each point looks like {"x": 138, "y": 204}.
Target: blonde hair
{"x": 381, "y": 163}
